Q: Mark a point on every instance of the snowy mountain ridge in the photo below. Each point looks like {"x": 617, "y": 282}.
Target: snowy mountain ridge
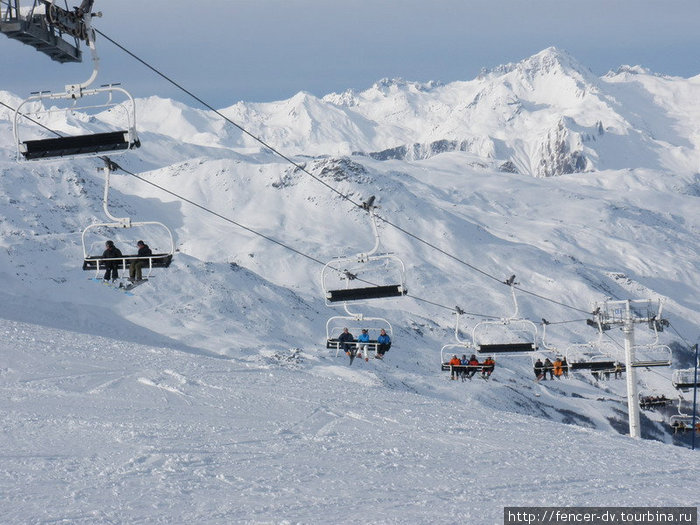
{"x": 546, "y": 115}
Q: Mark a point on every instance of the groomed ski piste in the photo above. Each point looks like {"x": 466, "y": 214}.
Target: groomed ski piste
{"x": 208, "y": 396}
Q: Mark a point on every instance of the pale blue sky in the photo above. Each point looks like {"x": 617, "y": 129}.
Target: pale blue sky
{"x": 262, "y": 50}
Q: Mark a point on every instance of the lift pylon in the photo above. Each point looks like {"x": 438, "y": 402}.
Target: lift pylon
{"x": 627, "y": 313}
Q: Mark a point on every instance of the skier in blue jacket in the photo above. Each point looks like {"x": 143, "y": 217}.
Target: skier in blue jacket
{"x": 363, "y": 338}
{"x": 384, "y": 343}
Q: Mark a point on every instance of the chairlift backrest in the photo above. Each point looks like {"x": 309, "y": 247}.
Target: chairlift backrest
{"x": 596, "y": 356}
{"x": 161, "y": 256}
{"x": 505, "y": 337}
{"x": 458, "y": 349}
{"x": 364, "y": 293}
{"x": 355, "y": 324}
{"x": 601, "y": 365}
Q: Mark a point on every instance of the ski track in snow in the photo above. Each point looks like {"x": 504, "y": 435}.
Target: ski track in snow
{"x": 169, "y": 438}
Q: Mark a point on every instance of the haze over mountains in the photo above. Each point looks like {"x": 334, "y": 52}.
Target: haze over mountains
{"x": 584, "y": 187}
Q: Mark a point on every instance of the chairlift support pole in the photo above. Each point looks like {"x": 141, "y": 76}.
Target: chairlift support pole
{"x": 622, "y": 314}
{"x": 632, "y": 405}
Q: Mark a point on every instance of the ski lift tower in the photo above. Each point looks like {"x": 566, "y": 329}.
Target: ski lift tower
{"x": 627, "y": 313}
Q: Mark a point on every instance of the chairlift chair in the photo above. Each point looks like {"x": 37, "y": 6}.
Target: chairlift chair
{"x": 355, "y": 322}
{"x": 652, "y": 400}
{"x": 30, "y": 125}
{"x": 683, "y": 422}
{"x": 358, "y": 279}
{"x": 685, "y": 379}
{"x": 514, "y": 336}
{"x": 596, "y": 356}
{"x": 92, "y": 251}
{"x": 653, "y": 354}
{"x": 461, "y": 346}
{"x": 364, "y": 276}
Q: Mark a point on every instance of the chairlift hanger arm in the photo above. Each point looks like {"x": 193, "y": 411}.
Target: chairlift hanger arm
{"x": 459, "y": 312}
{"x": 511, "y": 283}
{"x": 546, "y": 323}
{"x": 369, "y": 206}
{"x": 123, "y": 222}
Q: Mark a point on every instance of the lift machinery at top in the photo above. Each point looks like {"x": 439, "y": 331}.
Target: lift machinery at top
{"x": 114, "y": 132}
{"x": 45, "y": 26}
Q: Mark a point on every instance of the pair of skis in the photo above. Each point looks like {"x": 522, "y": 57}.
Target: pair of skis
{"x": 353, "y": 353}
{"x": 124, "y": 288}
{"x": 132, "y": 284}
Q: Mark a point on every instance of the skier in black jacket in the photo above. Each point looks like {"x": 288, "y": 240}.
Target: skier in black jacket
{"x": 345, "y": 338}
{"x": 135, "y": 266}
{"x": 539, "y": 369}
{"x": 111, "y": 267}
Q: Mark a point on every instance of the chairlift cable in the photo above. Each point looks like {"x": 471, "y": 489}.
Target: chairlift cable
{"x": 451, "y": 308}
{"x": 280, "y": 154}
{"x": 273, "y": 240}
{"x": 565, "y": 322}
{"x": 223, "y": 217}
{"x": 266, "y": 237}
{"x": 318, "y": 179}
{"x": 34, "y": 121}
{"x": 679, "y": 335}
{"x": 116, "y": 166}
{"x": 551, "y": 300}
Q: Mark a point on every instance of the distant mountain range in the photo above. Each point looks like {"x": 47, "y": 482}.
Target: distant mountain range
{"x": 545, "y": 116}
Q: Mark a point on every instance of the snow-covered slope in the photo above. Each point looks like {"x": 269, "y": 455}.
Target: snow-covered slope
{"x": 99, "y": 430}
{"x": 252, "y": 413}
